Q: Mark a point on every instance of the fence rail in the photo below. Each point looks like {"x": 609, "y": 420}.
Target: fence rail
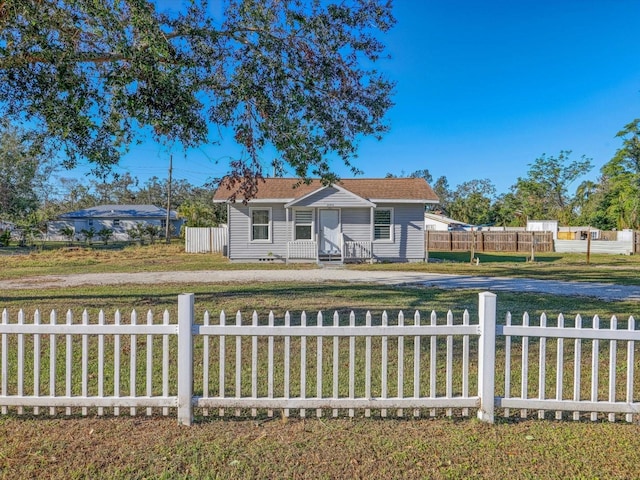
{"x": 327, "y": 364}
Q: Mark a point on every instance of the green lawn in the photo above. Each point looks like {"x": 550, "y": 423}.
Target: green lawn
{"x": 620, "y": 269}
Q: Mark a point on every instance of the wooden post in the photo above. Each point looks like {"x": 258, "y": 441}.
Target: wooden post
{"x": 487, "y": 356}
{"x": 473, "y": 246}
{"x": 589, "y": 246}
{"x": 426, "y": 246}
{"x": 533, "y": 246}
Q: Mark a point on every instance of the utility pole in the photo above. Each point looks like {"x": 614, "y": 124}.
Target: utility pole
{"x": 168, "y": 225}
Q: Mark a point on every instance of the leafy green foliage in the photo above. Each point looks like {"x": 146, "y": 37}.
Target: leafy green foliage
{"x": 5, "y": 238}
{"x": 105, "y": 234}
{"x": 138, "y": 232}
{"x": 23, "y": 170}
{"x": 543, "y": 193}
{"x": 619, "y": 198}
{"x": 294, "y": 75}
{"x": 471, "y": 202}
{"x": 88, "y": 234}
{"x": 67, "y": 232}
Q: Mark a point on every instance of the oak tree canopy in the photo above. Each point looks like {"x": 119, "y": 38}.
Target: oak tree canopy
{"x": 91, "y": 76}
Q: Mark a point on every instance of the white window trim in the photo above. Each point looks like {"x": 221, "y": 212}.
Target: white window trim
{"x": 313, "y": 223}
{"x": 267, "y": 240}
{"x": 391, "y": 238}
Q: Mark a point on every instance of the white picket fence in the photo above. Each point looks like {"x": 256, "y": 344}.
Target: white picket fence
{"x": 206, "y": 240}
{"x": 325, "y": 364}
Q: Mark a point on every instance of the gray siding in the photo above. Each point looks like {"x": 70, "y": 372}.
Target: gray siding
{"x": 332, "y": 198}
{"x": 408, "y": 245}
{"x": 356, "y": 224}
{"x": 408, "y": 242}
{"x": 240, "y": 245}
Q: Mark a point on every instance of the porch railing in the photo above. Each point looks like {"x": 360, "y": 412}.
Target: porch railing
{"x": 357, "y": 250}
{"x": 302, "y": 250}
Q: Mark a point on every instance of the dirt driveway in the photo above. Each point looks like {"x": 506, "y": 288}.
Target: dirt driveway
{"x": 604, "y": 291}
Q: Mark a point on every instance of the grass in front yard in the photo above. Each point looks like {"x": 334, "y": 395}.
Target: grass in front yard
{"x": 149, "y": 258}
{"x": 619, "y": 269}
{"x": 296, "y": 297}
{"x": 326, "y": 449}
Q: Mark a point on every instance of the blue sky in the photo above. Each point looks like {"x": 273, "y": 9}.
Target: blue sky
{"x": 483, "y": 89}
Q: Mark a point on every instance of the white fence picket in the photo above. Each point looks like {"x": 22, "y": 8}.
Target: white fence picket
{"x": 303, "y": 363}
{"x": 577, "y": 366}
{"x": 85, "y": 361}
{"x": 352, "y": 363}
{"x": 116, "y": 363}
{"x": 270, "y": 367}
{"x": 559, "y": 366}
{"x": 507, "y": 364}
{"x": 612, "y": 366}
{"x": 222, "y": 345}
{"x": 595, "y": 367}
{"x": 432, "y": 363}
{"x": 52, "y": 363}
{"x": 385, "y": 354}
{"x": 36, "y": 361}
{"x": 416, "y": 360}
{"x": 101, "y": 362}
{"x": 318, "y": 361}
{"x": 205, "y": 364}
{"x": 68, "y": 362}
{"x": 630, "y": 367}
{"x": 133, "y": 357}
{"x": 542, "y": 365}
{"x": 465, "y": 362}
{"x": 5, "y": 360}
{"x": 20, "y": 361}
{"x": 254, "y": 362}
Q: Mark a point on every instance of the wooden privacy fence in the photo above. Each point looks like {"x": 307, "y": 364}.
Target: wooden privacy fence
{"x": 326, "y": 364}
{"x": 489, "y": 241}
{"x": 206, "y": 239}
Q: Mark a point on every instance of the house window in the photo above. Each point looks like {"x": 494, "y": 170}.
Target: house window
{"x": 163, "y": 223}
{"x": 382, "y": 223}
{"x": 116, "y": 222}
{"x": 260, "y": 224}
{"x": 303, "y": 224}
{"x": 90, "y": 223}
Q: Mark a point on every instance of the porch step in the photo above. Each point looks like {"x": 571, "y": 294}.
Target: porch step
{"x": 329, "y": 260}
{"x": 334, "y": 264}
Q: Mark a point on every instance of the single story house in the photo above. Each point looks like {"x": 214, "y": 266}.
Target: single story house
{"x": 441, "y": 223}
{"x": 353, "y": 220}
{"x": 118, "y": 218}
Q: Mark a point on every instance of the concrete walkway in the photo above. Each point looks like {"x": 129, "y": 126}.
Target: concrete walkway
{"x": 604, "y": 291}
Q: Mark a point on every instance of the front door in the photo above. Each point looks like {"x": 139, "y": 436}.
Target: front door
{"x": 330, "y": 231}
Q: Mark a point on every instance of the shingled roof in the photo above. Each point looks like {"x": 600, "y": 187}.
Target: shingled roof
{"x": 288, "y": 189}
